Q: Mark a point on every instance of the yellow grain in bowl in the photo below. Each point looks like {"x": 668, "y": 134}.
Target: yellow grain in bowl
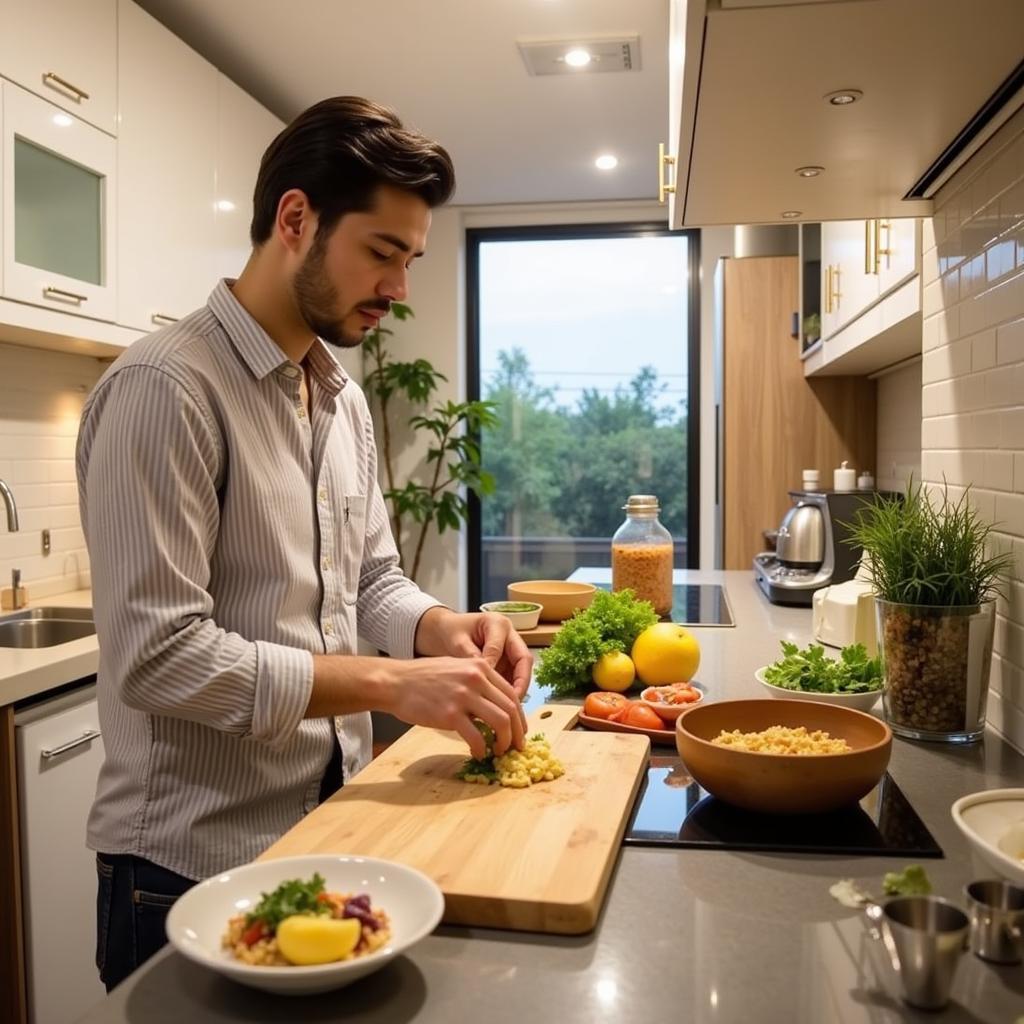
{"x": 782, "y": 739}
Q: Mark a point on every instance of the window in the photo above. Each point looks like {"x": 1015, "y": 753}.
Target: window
{"x": 586, "y": 338}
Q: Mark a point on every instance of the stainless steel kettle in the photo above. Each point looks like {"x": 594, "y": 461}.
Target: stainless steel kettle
{"x": 801, "y": 540}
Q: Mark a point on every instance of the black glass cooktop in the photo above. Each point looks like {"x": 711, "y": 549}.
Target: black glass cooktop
{"x": 672, "y": 810}
{"x": 696, "y": 604}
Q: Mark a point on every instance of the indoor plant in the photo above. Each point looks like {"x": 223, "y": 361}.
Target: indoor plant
{"x": 452, "y": 460}
{"x": 935, "y": 584}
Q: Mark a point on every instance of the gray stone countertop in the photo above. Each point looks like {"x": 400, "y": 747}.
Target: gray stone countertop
{"x": 685, "y": 935}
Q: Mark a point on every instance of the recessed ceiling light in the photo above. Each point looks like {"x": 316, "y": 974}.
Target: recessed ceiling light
{"x": 791, "y": 214}
{"x": 810, "y": 171}
{"x": 63, "y": 120}
{"x": 606, "y": 162}
{"x": 844, "y": 97}
{"x": 225, "y": 205}
{"x": 577, "y": 58}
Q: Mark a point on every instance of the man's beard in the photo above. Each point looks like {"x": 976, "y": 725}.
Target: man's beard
{"x": 317, "y": 299}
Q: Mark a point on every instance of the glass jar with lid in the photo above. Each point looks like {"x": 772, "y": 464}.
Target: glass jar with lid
{"x": 642, "y": 554}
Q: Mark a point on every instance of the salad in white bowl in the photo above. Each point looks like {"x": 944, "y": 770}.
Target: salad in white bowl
{"x": 853, "y": 680}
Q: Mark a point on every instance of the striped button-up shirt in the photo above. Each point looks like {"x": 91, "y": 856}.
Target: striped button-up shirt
{"x": 232, "y": 535}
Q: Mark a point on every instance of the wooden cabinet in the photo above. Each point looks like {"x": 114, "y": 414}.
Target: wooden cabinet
{"x": 870, "y": 296}
{"x": 244, "y": 130}
{"x": 773, "y": 422}
{"x": 167, "y": 163}
{"x": 66, "y": 52}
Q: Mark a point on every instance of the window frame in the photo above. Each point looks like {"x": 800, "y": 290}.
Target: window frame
{"x": 558, "y": 232}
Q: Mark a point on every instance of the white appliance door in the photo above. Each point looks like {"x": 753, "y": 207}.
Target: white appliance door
{"x": 59, "y": 753}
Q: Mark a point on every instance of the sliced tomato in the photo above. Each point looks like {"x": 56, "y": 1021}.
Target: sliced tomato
{"x": 603, "y": 704}
{"x": 255, "y": 932}
{"x": 642, "y": 716}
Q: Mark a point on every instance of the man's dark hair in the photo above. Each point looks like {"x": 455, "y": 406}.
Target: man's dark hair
{"x": 339, "y": 152}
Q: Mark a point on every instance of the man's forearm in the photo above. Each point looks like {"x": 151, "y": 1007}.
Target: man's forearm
{"x": 344, "y": 684}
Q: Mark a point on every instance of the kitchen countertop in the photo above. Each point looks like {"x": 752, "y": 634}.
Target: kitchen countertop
{"x": 697, "y": 935}
{"x": 31, "y": 672}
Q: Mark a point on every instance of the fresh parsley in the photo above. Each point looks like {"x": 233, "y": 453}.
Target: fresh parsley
{"x": 911, "y": 881}
{"x": 611, "y": 623}
{"x": 810, "y": 670}
{"x": 291, "y": 897}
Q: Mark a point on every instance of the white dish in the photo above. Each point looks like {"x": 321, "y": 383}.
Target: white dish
{"x": 993, "y": 822}
{"x": 857, "y": 701}
{"x": 199, "y": 918}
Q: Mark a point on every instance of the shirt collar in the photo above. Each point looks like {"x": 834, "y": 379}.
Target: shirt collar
{"x": 259, "y": 351}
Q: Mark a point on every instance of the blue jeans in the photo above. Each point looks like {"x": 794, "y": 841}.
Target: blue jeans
{"x": 133, "y": 897}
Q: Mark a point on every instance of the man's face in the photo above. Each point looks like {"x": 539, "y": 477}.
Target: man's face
{"x": 349, "y": 278}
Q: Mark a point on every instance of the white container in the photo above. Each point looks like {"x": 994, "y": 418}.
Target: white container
{"x": 810, "y": 478}
{"x": 844, "y": 614}
{"x": 844, "y": 478}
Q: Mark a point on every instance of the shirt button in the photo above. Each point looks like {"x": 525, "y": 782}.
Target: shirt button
{"x": 328, "y": 628}
{"x": 321, "y": 495}
{"x": 325, "y": 563}
{"x": 301, "y": 412}
{"x": 291, "y": 371}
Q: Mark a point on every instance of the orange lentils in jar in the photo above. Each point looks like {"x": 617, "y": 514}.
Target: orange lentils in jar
{"x": 642, "y": 554}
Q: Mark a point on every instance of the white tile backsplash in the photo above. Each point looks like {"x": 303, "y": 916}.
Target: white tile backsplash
{"x": 974, "y": 338}
{"x": 900, "y": 400}
{"x": 41, "y": 399}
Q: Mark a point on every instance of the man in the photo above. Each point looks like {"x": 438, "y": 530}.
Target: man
{"x": 239, "y": 540}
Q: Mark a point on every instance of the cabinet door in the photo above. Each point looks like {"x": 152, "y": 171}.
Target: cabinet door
{"x": 244, "y": 130}
{"x": 59, "y": 183}
{"x": 900, "y": 252}
{"x": 844, "y": 249}
{"x": 66, "y": 52}
{"x": 55, "y": 792}
{"x": 166, "y": 159}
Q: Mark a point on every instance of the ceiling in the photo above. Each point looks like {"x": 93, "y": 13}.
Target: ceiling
{"x": 452, "y": 68}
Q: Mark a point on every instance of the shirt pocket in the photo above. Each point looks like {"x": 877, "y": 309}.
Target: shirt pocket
{"x": 353, "y": 535}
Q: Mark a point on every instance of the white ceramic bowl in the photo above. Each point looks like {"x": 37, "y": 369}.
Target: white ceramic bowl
{"x": 670, "y": 712}
{"x": 199, "y": 918}
{"x": 993, "y": 823}
{"x": 519, "y": 620}
{"x": 857, "y": 701}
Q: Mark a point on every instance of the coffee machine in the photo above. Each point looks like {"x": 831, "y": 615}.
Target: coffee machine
{"x": 810, "y": 552}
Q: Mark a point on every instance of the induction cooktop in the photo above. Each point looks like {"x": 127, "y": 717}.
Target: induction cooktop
{"x": 696, "y": 604}
{"x": 673, "y": 810}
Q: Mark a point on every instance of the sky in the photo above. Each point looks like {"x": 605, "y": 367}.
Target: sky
{"x": 589, "y": 313}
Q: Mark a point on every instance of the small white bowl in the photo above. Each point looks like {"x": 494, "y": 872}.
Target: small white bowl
{"x": 857, "y": 701}
{"x": 199, "y": 918}
{"x": 993, "y": 822}
{"x": 520, "y": 620}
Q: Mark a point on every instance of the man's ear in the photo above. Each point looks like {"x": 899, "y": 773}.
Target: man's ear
{"x": 295, "y": 220}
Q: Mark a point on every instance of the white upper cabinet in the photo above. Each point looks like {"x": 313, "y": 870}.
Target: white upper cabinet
{"x": 66, "y": 52}
{"x": 167, "y": 146}
{"x": 59, "y": 233}
{"x": 244, "y": 130}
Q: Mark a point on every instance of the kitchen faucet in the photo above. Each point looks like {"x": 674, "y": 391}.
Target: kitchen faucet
{"x": 12, "y": 525}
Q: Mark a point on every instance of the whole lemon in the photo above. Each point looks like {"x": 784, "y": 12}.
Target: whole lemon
{"x": 613, "y": 671}
{"x": 665, "y": 653}
{"x": 305, "y": 939}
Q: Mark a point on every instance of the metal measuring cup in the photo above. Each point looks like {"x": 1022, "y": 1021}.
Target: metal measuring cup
{"x": 996, "y": 911}
{"x": 924, "y": 937}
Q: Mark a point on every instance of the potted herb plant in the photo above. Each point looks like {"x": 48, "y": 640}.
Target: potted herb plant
{"x": 935, "y": 583}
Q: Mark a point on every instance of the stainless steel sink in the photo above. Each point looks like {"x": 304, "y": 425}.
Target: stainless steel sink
{"x": 45, "y": 627}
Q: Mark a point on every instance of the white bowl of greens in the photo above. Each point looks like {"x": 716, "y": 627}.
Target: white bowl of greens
{"x": 852, "y": 681}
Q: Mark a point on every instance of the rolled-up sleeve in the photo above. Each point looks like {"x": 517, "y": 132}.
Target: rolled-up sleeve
{"x": 149, "y": 462}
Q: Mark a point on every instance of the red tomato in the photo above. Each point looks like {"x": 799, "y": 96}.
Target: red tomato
{"x": 255, "y": 932}
{"x": 644, "y": 717}
{"x": 603, "y": 704}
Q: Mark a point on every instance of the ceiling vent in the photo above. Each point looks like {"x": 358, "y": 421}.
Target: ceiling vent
{"x": 609, "y": 53}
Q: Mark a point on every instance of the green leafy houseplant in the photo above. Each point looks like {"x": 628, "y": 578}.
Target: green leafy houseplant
{"x": 453, "y": 452}
{"x": 935, "y": 582}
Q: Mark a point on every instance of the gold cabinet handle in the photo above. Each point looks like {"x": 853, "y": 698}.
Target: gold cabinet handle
{"x": 53, "y": 80}
{"x": 49, "y": 292}
{"x": 871, "y": 247}
{"x": 880, "y": 226}
{"x": 832, "y": 293}
{"x": 163, "y": 318}
{"x": 666, "y": 182}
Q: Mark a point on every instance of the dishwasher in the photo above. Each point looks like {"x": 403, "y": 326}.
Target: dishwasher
{"x": 59, "y": 752}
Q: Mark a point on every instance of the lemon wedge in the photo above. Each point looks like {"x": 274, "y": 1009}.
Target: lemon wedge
{"x": 304, "y": 939}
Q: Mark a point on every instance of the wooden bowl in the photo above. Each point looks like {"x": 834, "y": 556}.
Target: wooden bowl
{"x": 783, "y": 783}
{"x": 558, "y": 598}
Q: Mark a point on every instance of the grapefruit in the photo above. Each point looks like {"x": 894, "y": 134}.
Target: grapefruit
{"x": 665, "y": 653}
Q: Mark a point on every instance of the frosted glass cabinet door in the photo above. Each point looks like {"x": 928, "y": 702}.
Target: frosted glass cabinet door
{"x": 58, "y": 209}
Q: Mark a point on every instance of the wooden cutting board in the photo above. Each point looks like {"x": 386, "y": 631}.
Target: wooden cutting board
{"x": 536, "y": 859}
{"x": 541, "y": 635}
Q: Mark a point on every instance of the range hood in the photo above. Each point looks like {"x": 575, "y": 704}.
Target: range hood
{"x": 749, "y": 104}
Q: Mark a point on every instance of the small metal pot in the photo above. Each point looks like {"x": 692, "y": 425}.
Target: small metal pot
{"x": 801, "y": 540}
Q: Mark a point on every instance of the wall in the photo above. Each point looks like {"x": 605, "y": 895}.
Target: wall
{"x": 41, "y": 399}
{"x": 973, "y": 374}
{"x": 899, "y": 427}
